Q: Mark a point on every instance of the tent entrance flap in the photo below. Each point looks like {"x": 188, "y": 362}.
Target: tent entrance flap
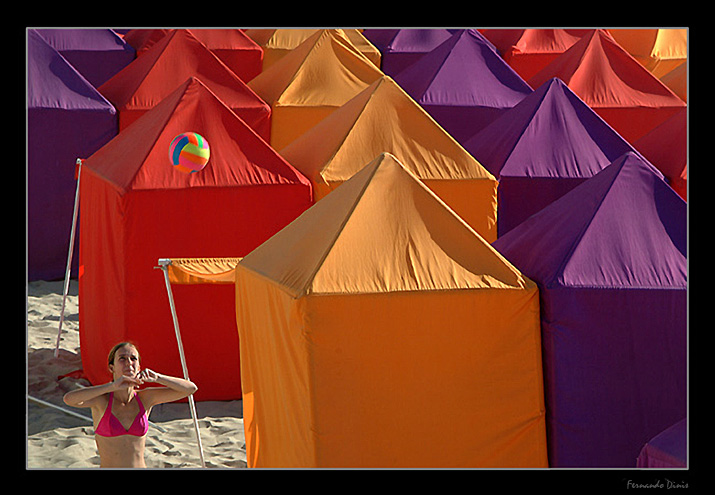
{"x": 201, "y": 270}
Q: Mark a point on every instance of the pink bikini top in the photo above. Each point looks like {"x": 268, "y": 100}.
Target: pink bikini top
{"x": 110, "y": 426}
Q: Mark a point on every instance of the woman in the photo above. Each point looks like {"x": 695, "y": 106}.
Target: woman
{"x": 120, "y": 412}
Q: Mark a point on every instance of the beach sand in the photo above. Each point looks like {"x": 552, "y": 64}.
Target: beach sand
{"x": 56, "y": 440}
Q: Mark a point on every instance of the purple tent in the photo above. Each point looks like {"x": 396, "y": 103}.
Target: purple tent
{"x": 463, "y": 84}
{"x": 667, "y": 449}
{"x": 97, "y": 54}
{"x": 542, "y": 148}
{"x": 609, "y": 258}
{"x": 67, "y": 119}
{"x": 402, "y": 47}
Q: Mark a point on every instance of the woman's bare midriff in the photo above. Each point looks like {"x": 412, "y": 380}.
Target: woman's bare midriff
{"x": 125, "y": 451}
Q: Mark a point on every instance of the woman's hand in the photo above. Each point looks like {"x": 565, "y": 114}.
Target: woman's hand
{"x": 125, "y": 381}
{"x": 147, "y": 375}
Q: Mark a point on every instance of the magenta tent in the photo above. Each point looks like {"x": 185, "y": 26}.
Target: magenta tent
{"x": 402, "y": 47}
{"x": 97, "y": 54}
{"x": 609, "y": 258}
{"x": 542, "y": 148}
{"x": 463, "y": 84}
{"x": 67, "y": 119}
{"x": 668, "y": 449}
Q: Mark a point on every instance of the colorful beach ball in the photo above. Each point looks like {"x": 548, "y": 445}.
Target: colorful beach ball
{"x": 189, "y": 152}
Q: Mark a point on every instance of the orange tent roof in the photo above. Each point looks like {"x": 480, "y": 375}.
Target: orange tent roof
{"x": 309, "y": 83}
{"x": 383, "y": 118}
{"x": 277, "y": 43}
{"x": 658, "y": 50}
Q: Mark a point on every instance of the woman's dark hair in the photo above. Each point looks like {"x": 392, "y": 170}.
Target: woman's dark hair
{"x": 110, "y": 358}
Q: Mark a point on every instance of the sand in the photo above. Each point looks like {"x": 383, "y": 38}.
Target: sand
{"x": 56, "y": 440}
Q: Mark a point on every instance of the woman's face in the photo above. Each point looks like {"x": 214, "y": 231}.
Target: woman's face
{"x": 126, "y": 362}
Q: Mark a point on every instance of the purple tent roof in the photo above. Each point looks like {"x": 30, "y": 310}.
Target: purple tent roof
{"x": 550, "y": 133}
{"x": 67, "y": 119}
{"x": 624, "y": 227}
{"x": 402, "y": 47}
{"x": 668, "y": 449}
{"x": 463, "y": 83}
{"x": 609, "y": 258}
{"x": 97, "y": 54}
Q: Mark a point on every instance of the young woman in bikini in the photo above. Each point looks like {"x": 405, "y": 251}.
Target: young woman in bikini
{"x": 120, "y": 412}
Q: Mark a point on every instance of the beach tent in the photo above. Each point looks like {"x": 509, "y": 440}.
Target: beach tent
{"x": 677, "y": 81}
{"x": 528, "y": 51}
{"x": 383, "y": 118}
{"x": 610, "y": 261}
{"x": 402, "y": 47}
{"x": 310, "y": 82}
{"x": 169, "y": 62}
{"x": 623, "y": 92}
{"x": 658, "y": 50}
{"x": 277, "y": 43}
{"x": 668, "y": 449}
{"x": 239, "y": 52}
{"x": 135, "y": 208}
{"x": 97, "y": 54}
{"x": 463, "y": 84}
{"x": 66, "y": 119}
{"x": 666, "y": 147}
{"x": 379, "y": 330}
{"x": 542, "y": 148}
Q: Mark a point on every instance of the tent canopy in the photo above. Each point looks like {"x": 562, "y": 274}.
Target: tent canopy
{"x": 402, "y": 47}
{"x": 383, "y": 118}
{"x": 67, "y": 119}
{"x": 463, "y": 84}
{"x": 379, "y": 295}
{"x": 310, "y": 82}
{"x": 169, "y": 62}
{"x": 528, "y": 51}
{"x": 623, "y": 92}
{"x": 136, "y": 208}
{"x": 276, "y": 43}
{"x": 97, "y": 54}
{"x": 658, "y": 50}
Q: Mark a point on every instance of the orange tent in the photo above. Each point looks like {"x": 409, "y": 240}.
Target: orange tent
{"x": 135, "y": 208}
{"x": 379, "y": 330}
{"x": 658, "y": 50}
{"x": 142, "y": 84}
{"x": 384, "y": 118}
{"x": 609, "y": 80}
{"x": 527, "y": 51}
{"x": 310, "y": 82}
{"x": 277, "y": 43}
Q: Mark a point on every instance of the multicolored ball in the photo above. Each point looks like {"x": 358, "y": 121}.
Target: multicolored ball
{"x": 189, "y": 152}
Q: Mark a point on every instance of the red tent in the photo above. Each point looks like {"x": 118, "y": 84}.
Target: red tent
{"x": 618, "y": 88}
{"x": 135, "y": 209}
{"x": 239, "y": 52}
{"x": 170, "y": 61}
{"x": 527, "y": 51}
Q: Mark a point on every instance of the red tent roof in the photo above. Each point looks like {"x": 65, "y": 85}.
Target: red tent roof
{"x": 138, "y": 157}
{"x": 177, "y": 56}
{"x": 612, "y": 83}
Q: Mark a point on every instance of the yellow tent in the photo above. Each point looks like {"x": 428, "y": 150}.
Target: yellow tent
{"x": 310, "y": 82}
{"x": 658, "y": 50}
{"x": 277, "y": 43}
{"x": 379, "y": 330}
{"x": 384, "y": 118}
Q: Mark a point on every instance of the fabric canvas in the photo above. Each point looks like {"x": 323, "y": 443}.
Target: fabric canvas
{"x": 668, "y": 449}
{"x": 311, "y": 82}
{"x": 135, "y": 209}
{"x": 542, "y": 148}
{"x": 383, "y": 118}
{"x": 463, "y": 84}
{"x": 376, "y": 301}
{"x": 167, "y": 64}
{"x": 658, "y": 50}
{"x": 67, "y": 119}
{"x": 608, "y": 79}
{"x": 97, "y": 54}
{"x": 402, "y": 47}
{"x": 609, "y": 258}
